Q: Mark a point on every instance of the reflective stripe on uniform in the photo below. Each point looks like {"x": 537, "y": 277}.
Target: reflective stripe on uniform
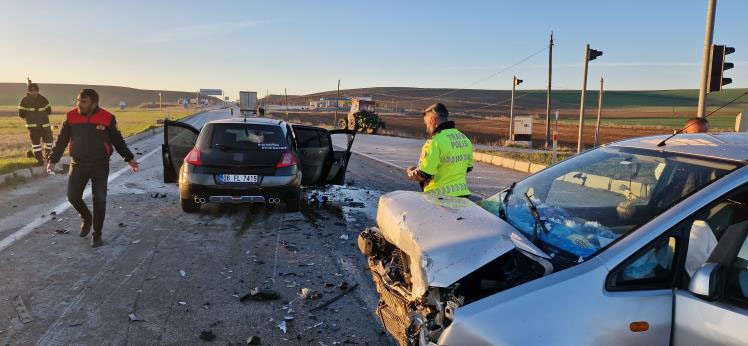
{"x": 48, "y": 145}
{"x": 37, "y": 125}
{"x": 29, "y": 109}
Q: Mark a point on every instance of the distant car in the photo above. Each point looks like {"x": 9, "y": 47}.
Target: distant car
{"x": 631, "y": 243}
{"x": 250, "y": 160}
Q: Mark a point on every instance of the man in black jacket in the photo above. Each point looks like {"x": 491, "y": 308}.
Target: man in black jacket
{"x": 91, "y": 133}
{"x": 35, "y": 110}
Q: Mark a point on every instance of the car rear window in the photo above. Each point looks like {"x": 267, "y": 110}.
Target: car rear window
{"x": 249, "y": 137}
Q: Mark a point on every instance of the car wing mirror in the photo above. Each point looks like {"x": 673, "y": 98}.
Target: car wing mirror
{"x": 704, "y": 281}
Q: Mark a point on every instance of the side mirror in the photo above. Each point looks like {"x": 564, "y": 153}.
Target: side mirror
{"x": 704, "y": 282}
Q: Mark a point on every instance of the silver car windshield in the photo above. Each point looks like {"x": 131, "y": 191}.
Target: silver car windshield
{"x": 591, "y": 200}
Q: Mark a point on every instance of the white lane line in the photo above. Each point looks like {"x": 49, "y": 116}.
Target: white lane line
{"x": 60, "y": 208}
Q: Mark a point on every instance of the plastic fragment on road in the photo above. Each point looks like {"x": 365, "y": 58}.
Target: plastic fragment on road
{"x": 182, "y": 273}
{"x": 258, "y": 294}
{"x": 136, "y": 241}
{"x": 344, "y": 236}
{"x": 314, "y": 326}
{"x": 306, "y": 293}
{"x": 21, "y": 309}
{"x": 182, "y": 303}
{"x": 253, "y": 340}
{"x": 282, "y": 326}
{"x": 62, "y": 231}
{"x": 135, "y": 318}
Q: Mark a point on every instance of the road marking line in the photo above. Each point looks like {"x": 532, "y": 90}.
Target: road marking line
{"x": 60, "y": 208}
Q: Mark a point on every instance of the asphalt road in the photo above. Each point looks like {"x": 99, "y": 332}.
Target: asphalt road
{"x": 182, "y": 276}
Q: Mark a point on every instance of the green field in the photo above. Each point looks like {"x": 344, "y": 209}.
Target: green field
{"x": 14, "y": 140}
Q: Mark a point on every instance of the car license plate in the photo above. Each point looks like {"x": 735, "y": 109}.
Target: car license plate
{"x": 238, "y": 178}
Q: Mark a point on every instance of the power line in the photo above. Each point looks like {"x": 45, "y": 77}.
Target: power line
{"x": 487, "y": 77}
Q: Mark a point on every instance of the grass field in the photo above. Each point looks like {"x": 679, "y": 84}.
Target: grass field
{"x": 14, "y": 140}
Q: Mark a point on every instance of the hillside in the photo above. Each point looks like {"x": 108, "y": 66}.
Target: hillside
{"x": 489, "y": 102}
{"x": 64, "y": 94}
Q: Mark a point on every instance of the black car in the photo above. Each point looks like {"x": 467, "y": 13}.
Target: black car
{"x": 251, "y": 160}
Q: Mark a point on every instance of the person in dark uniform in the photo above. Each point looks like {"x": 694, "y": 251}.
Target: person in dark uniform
{"x": 35, "y": 109}
{"x": 91, "y": 132}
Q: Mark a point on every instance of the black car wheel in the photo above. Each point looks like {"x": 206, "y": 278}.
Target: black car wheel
{"x": 189, "y": 205}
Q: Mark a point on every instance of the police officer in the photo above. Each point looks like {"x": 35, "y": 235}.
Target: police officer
{"x": 91, "y": 132}
{"x": 446, "y": 158}
{"x": 35, "y": 109}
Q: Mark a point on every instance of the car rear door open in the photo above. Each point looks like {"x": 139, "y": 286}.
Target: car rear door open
{"x": 342, "y": 141}
{"x": 179, "y": 139}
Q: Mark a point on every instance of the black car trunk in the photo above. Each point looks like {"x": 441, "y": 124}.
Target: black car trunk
{"x": 243, "y": 149}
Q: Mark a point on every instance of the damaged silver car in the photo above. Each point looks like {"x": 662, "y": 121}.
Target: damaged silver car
{"x": 607, "y": 247}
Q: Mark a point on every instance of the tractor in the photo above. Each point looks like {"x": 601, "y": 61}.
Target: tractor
{"x": 362, "y": 117}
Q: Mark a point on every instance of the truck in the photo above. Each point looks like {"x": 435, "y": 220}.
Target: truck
{"x": 248, "y": 102}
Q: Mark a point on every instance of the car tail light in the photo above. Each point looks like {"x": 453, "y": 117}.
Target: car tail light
{"x": 193, "y": 157}
{"x": 286, "y": 160}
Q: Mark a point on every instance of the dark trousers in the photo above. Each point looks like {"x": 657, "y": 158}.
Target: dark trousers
{"x": 38, "y": 134}
{"x": 80, "y": 174}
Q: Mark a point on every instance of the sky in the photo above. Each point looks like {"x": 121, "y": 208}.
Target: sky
{"x": 306, "y": 46}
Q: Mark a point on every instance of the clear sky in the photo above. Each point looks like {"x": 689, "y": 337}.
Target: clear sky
{"x": 306, "y": 46}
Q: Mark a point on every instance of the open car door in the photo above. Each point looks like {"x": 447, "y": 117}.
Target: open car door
{"x": 342, "y": 140}
{"x": 179, "y": 139}
{"x": 320, "y": 163}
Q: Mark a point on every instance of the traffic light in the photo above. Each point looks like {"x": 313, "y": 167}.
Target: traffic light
{"x": 718, "y": 66}
{"x": 593, "y": 54}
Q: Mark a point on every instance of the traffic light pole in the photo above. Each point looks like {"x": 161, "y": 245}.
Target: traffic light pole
{"x": 599, "y": 113}
{"x": 705, "y": 59}
{"x": 511, "y": 110}
{"x": 580, "y": 146}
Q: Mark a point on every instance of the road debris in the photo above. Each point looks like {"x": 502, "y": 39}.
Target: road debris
{"x": 182, "y": 303}
{"x": 135, "y": 318}
{"x": 334, "y": 299}
{"x": 122, "y": 224}
{"x": 282, "y": 326}
{"x": 258, "y": 294}
{"x": 343, "y": 285}
{"x": 314, "y": 326}
{"x": 253, "y": 340}
{"x": 158, "y": 195}
{"x": 306, "y": 293}
{"x": 182, "y": 273}
{"x": 344, "y": 236}
{"x": 207, "y": 335}
{"x": 136, "y": 241}
{"x": 21, "y": 309}
{"x": 62, "y": 231}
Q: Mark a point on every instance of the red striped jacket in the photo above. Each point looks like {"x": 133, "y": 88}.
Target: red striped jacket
{"x": 90, "y": 138}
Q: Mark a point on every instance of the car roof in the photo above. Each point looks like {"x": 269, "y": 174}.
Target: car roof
{"x": 249, "y": 120}
{"x": 731, "y": 146}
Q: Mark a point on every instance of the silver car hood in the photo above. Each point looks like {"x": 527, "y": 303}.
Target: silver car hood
{"x": 446, "y": 238}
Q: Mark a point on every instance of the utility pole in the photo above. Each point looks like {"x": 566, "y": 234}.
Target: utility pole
{"x": 286, "y": 93}
{"x": 589, "y": 54}
{"x": 548, "y": 94}
{"x": 599, "y": 112}
{"x": 337, "y": 104}
{"x": 160, "y": 107}
{"x": 705, "y": 58}
{"x": 515, "y": 82}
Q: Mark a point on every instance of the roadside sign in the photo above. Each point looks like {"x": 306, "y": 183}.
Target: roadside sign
{"x": 211, "y": 92}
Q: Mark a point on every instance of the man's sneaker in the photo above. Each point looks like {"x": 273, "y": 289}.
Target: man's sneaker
{"x": 96, "y": 240}
{"x": 85, "y": 228}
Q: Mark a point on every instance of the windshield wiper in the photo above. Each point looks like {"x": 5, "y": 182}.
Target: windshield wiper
{"x": 505, "y": 200}
{"x": 536, "y": 215}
